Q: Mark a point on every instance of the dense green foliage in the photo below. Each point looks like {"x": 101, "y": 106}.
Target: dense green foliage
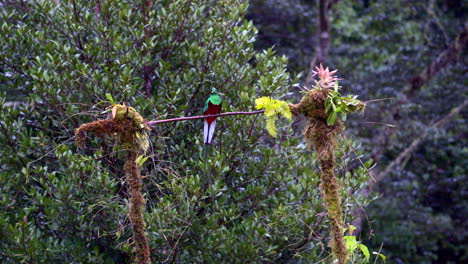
{"x": 256, "y": 200}
{"x": 378, "y": 46}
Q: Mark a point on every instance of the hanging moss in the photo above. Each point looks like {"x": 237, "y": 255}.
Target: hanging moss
{"x": 136, "y": 210}
{"x": 129, "y": 130}
{"x": 322, "y": 138}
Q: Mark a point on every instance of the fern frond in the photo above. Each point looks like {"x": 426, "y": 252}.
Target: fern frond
{"x": 270, "y": 125}
{"x": 262, "y": 102}
{"x": 284, "y": 110}
{"x": 273, "y": 108}
{"x": 270, "y": 112}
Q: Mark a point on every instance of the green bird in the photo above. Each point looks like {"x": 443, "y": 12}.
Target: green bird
{"x": 212, "y": 107}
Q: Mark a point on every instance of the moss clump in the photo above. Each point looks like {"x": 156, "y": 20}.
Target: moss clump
{"x": 126, "y": 127}
{"x": 129, "y": 130}
{"x": 322, "y": 138}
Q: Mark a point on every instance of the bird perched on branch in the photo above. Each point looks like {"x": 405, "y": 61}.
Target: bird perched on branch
{"x": 212, "y": 107}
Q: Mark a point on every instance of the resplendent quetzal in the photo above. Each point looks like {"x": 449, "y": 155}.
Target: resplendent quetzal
{"x": 212, "y": 107}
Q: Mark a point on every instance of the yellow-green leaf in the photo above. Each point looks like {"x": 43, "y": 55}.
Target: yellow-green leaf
{"x": 270, "y": 125}
{"x": 351, "y": 243}
{"x": 365, "y": 251}
{"x": 109, "y": 97}
{"x": 273, "y": 108}
{"x": 140, "y": 160}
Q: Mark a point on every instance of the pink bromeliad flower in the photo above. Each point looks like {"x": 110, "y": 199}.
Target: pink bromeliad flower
{"x": 326, "y": 78}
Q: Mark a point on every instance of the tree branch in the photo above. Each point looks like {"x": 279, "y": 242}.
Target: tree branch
{"x": 97, "y": 8}
{"x": 152, "y": 123}
{"x": 359, "y": 213}
{"x": 447, "y": 56}
{"x": 146, "y": 6}
{"x": 412, "y": 148}
{"x": 323, "y": 36}
{"x": 414, "y": 85}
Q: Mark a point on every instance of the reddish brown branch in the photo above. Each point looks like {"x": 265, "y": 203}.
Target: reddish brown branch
{"x": 151, "y": 123}
{"x": 146, "y": 6}
{"x": 97, "y": 8}
{"x": 405, "y": 154}
{"x": 129, "y": 131}
{"x": 414, "y": 145}
{"x": 414, "y": 85}
{"x": 446, "y": 57}
{"x": 323, "y": 36}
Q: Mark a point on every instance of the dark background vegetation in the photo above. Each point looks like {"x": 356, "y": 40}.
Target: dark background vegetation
{"x": 59, "y": 204}
{"x": 379, "y": 47}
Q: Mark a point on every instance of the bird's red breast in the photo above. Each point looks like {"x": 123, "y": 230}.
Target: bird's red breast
{"x": 212, "y": 110}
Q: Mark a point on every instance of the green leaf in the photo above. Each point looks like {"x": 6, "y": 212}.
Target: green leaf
{"x": 327, "y": 106}
{"x": 351, "y": 243}
{"x": 331, "y": 119}
{"x": 140, "y": 160}
{"x": 382, "y": 256}
{"x": 343, "y": 116}
{"x": 365, "y": 251}
{"x": 109, "y": 97}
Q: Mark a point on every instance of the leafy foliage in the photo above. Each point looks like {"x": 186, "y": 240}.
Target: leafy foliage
{"x": 60, "y": 62}
{"x": 378, "y": 46}
{"x": 352, "y": 245}
{"x": 335, "y": 105}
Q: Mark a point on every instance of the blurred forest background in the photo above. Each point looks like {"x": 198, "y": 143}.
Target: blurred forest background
{"x": 59, "y": 59}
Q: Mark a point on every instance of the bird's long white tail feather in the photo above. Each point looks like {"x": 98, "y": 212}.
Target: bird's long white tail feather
{"x": 205, "y": 132}
{"x": 208, "y": 132}
{"x": 211, "y": 131}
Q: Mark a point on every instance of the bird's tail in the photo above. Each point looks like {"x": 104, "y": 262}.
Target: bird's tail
{"x": 208, "y": 131}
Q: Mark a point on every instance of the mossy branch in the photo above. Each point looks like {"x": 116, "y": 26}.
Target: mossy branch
{"x": 137, "y": 207}
{"x": 129, "y": 130}
{"x": 321, "y": 134}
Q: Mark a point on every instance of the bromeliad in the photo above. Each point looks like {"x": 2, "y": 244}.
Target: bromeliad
{"x": 212, "y": 107}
